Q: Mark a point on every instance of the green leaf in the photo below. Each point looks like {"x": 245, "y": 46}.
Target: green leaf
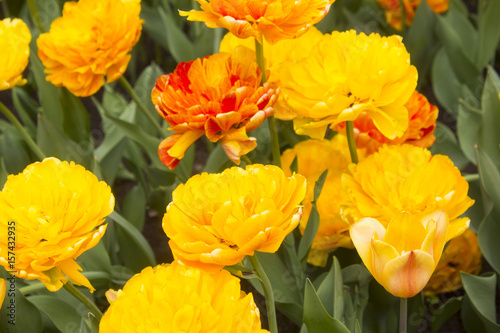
{"x": 316, "y": 317}
{"x": 480, "y": 292}
{"x": 488, "y": 238}
{"x": 142, "y": 87}
{"x": 137, "y": 238}
{"x": 48, "y": 94}
{"x": 445, "y": 312}
{"x": 54, "y": 142}
{"x": 445, "y": 83}
{"x": 27, "y": 109}
{"x": 153, "y": 25}
{"x": 420, "y": 40}
{"x": 95, "y": 259}
{"x": 468, "y": 123}
{"x": 17, "y": 309}
{"x": 489, "y": 176}
{"x": 319, "y": 185}
{"x": 147, "y": 142}
{"x": 459, "y": 37}
{"x": 133, "y": 208}
{"x": 48, "y": 11}
{"x": 13, "y": 150}
{"x": 489, "y": 136}
{"x": 66, "y": 319}
{"x": 489, "y": 33}
{"x": 308, "y": 236}
{"x": 446, "y": 144}
{"x": 76, "y": 122}
{"x": 331, "y": 291}
{"x": 282, "y": 280}
{"x": 179, "y": 45}
{"x": 217, "y": 160}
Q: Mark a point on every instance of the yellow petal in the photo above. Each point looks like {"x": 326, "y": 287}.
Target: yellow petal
{"x": 362, "y": 233}
{"x": 405, "y": 232}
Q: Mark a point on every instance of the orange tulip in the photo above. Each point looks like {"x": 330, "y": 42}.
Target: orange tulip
{"x": 219, "y": 96}
{"x": 274, "y": 19}
{"x": 402, "y": 256}
{"x": 392, "y": 10}
{"x": 422, "y": 117}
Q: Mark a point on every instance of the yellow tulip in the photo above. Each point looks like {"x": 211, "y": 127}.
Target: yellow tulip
{"x": 178, "y": 298}
{"x": 56, "y": 211}
{"x": 90, "y": 44}
{"x": 15, "y": 39}
{"x": 402, "y": 256}
{"x": 215, "y": 220}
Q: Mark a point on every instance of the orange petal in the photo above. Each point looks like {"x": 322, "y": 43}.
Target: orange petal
{"x": 172, "y": 149}
{"x": 237, "y": 144}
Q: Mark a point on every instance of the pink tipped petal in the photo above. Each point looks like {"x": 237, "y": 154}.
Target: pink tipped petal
{"x": 408, "y": 274}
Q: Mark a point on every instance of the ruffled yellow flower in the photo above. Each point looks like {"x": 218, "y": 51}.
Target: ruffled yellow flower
{"x": 273, "y": 19}
{"x": 313, "y": 158}
{"x": 15, "y": 39}
{"x": 347, "y": 74}
{"x": 392, "y": 10}
{"x": 178, "y": 298}
{"x": 91, "y": 41}
{"x": 55, "y": 211}
{"x": 422, "y": 117}
{"x": 215, "y": 220}
{"x": 408, "y": 178}
{"x": 219, "y": 96}
{"x": 462, "y": 254}
{"x": 403, "y": 255}
{"x": 288, "y": 50}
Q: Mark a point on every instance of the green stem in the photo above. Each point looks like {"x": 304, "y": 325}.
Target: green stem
{"x": 246, "y": 159}
{"x": 268, "y": 293}
{"x": 403, "y": 309}
{"x": 273, "y": 129}
{"x": 349, "y": 129}
{"x": 472, "y": 177}
{"x": 142, "y": 107}
{"x": 5, "y": 8}
{"x": 259, "y": 54}
{"x": 403, "y": 16}
{"x": 22, "y": 131}
{"x": 70, "y": 288}
{"x": 36, "y": 16}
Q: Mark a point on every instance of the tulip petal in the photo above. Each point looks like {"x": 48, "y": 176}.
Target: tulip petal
{"x": 362, "y": 234}
{"x": 382, "y": 253}
{"x": 405, "y": 232}
{"x": 408, "y": 274}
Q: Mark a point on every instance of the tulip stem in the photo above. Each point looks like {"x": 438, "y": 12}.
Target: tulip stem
{"x": 142, "y": 107}
{"x": 271, "y": 121}
{"x": 349, "y": 129}
{"x": 22, "y": 131}
{"x": 403, "y": 309}
{"x": 268, "y": 293}
{"x": 247, "y": 160}
{"x": 403, "y": 14}
{"x": 70, "y": 288}
{"x": 471, "y": 177}
{"x": 36, "y": 16}
{"x": 259, "y": 54}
